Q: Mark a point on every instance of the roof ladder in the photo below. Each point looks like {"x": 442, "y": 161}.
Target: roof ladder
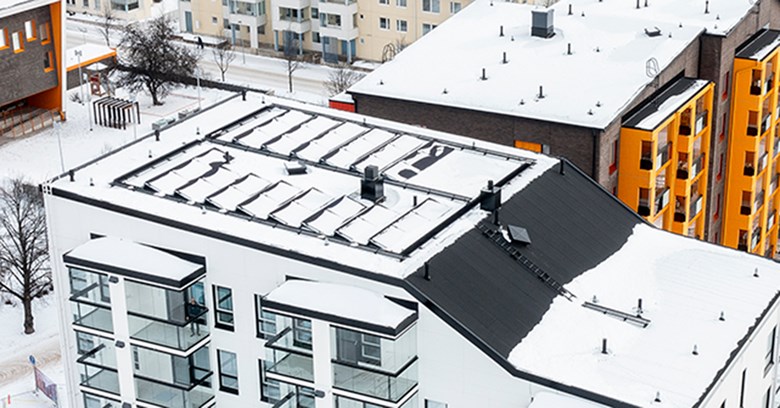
{"x": 497, "y": 238}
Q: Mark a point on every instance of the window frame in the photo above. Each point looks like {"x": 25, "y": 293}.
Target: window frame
{"x": 30, "y": 30}
{"x": 385, "y": 20}
{"x": 367, "y": 358}
{"x": 219, "y": 310}
{"x": 266, "y": 382}
{"x": 261, "y": 320}
{"x": 44, "y": 33}
{"x": 297, "y": 330}
{"x": 434, "y": 6}
{"x": 49, "y": 57}
{"x": 401, "y": 3}
{"x": 434, "y": 404}
{"x": 221, "y": 373}
{"x": 5, "y": 41}
{"x": 17, "y": 47}
{"x": 452, "y": 7}
{"x": 769, "y": 357}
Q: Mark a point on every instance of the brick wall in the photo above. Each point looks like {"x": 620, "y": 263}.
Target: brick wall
{"x": 22, "y": 74}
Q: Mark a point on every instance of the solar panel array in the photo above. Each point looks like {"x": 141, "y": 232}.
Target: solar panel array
{"x": 245, "y": 170}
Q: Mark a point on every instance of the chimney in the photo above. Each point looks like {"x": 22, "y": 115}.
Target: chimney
{"x": 372, "y": 186}
{"x": 491, "y": 197}
{"x": 604, "y": 346}
{"x": 542, "y": 23}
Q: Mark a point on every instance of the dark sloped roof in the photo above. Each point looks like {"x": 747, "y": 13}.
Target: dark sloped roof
{"x": 573, "y": 223}
{"x": 754, "y": 48}
{"x": 654, "y": 104}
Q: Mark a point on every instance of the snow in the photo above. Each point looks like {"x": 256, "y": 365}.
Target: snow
{"x": 339, "y": 186}
{"x": 89, "y": 52}
{"x": 549, "y": 400}
{"x": 671, "y": 105}
{"x": 761, "y": 54}
{"x": 9, "y": 7}
{"x": 685, "y": 284}
{"x": 135, "y": 257}
{"x": 590, "y": 87}
{"x": 348, "y": 302}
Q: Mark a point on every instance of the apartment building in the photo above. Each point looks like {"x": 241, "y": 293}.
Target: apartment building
{"x": 275, "y": 254}
{"x": 589, "y": 77}
{"x": 339, "y": 29}
{"x": 31, "y": 60}
{"x": 130, "y": 10}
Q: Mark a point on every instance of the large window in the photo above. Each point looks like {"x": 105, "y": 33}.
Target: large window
{"x": 302, "y": 333}
{"x": 370, "y": 349}
{"x": 228, "y": 371}
{"x": 223, "y": 304}
{"x": 431, "y": 6}
{"x": 266, "y": 321}
{"x": 29, "y": 30}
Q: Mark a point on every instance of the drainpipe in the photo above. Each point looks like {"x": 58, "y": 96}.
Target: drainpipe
{"x": 595, "y": 160}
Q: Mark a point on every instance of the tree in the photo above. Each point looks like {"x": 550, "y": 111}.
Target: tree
{"x": 224, "y": 54}
{"x": 24, "y": 254}
{"x": 291, "y": 57}
{"x": 107, "y": 21}
{"x": 340, "y": 79}
{"x": 152, "y": 61}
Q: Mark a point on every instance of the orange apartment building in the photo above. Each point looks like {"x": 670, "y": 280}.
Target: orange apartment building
{"x": 32, "y": 91}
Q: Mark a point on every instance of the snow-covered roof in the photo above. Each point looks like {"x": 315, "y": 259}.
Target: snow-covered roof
{"x": 344, "y": 302}
{"x": 606, "y": 70}
{"x": 11, "y": 7}
{"x": 133, "y": 259}
{"x": 760, "y": 46}
{"x": 89, "y": 54}
{"x": 684, "y": 285}
{"x": 545, "y": 399}
{"x": 655, "y": 111}
{"x": 238, "y": 169}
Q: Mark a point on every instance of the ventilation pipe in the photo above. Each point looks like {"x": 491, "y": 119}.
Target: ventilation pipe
{"x": 372, "y": 186}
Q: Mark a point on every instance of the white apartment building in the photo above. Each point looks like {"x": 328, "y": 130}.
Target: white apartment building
{"x": 266, "y": 253}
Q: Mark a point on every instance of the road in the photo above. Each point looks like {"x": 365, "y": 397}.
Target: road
{"x": 247, "y": 69}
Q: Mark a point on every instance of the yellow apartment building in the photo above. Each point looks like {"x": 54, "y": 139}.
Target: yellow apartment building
{"x": 751, "y": 202}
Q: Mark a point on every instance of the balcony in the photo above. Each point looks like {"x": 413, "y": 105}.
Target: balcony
{"x": 752, "y": 130}
{"x": 765, "y": 123}
{"x": 291, "y": 357}
{"x": 770, "y": 220}
{"x": 92, "y": 316}
{"x": 695, "y": 207}
{"x": 173, "y": 396}
{"x": 679, "y": 212}
{"x": 682, "y": 169}
{"x": 180, "y": 336}
{"x": 644, "y": 207}
{"x": 374, "y": 383}
{"x": 662, "y": 157}
{"x": 749, "y": 170}
{"x": 646, "y": 162}
{"x": 755, "y": 238}
{"x": 701, "y": 121}
{"x": 759, "y": 200}
{"x": 661, "y": 200}
{"x": 99, "y": 378}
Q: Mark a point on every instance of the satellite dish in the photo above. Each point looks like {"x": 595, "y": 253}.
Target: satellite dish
{"x": 651, "y": 67}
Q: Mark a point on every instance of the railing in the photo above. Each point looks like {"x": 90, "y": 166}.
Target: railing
{"x": 644, "y": 207}
{"x": 180, "y": 336}
{"x": 768, "y": 83}
{"x": 679, "y": 213}
{"x": 292, "y": 365}
{"x": 646, "y": 162}
{"x": 749, "y": 169}
{"x": 685, "y": 129}
{"x": 374, "y": 383}
{"x": 345, "y": 2}
{"x": 755, "y": 238}
{"x": 770, "y": 221}
{"x": 765, "y": 123}
{"x": 93, "y": 316}
{"x": 762, "y": 162}
{"x": 174, "y": 396}
{"x": 682, "y": 171}
{"x": 661, "y": 200}
{"x": 695, "y": 207}
{"x": 759, "y": 200}
{"x": 746, "y": 208}
{"x": 773, "y": 185}
{"x": 701, "y": 121}
{"x": 661, "y": 157}
{"x": 752, "y": 130}
{"x": 99, "y": 378}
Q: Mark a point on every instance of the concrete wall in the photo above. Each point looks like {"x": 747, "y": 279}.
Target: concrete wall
{"x": 23, "y": 73}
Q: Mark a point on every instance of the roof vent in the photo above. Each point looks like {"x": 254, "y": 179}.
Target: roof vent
{"x": 372, "y": 186}
{"x": 542, "y": 23}
{"x": 519, "y": 235}
{"x": 295, "y": 168}
{"x": 653, "y": 32}
{"x": 491, "y": 197}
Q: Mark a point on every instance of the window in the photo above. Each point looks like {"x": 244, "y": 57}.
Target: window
{"x": 16, "y": 39}
{"x": 3, "y": 39}
{"x": 85, "y": 3}
{"x": 270, "y": 390}
{"x": 228, "y": 371}
{"x": 48, "y": 66}
{"x": 43, "y": 31}
{"x": 315, "y": 37}
{"x": 223, "y": 303}
{"x": 534, "y": 147}
{"x": 29, "y": 30}
{"x": 384, "y": 2}
{"x": 434, "y": 404}
{"x": 214, "y": 20}
{"x": 400, "y": 25}
{"x": 724, "y": 127}
{"x": 136, "y": 358}
{"x": 717, "y": 209}
{"x": 725, "y": 83}
{"x": 384, "y": 23}
{"x": 97, "y": 5}
{"x": 315, "y": 12}
{"x": 431, "y": 6}
{"x": 400, "y": 3}
{"x": 769, "y": 359}
{"x": 613, "y": 157}
{"x": 455, "y": 7}
{"x": 302, "y": 333}
{"x": 426, "y": 28}
{"x": 370, "y": 349}
{"x": 720, "y": 166}
{"x": 266, "y": 321}
{"x": 84, "y": 343}
{"x": 742, "y": 390}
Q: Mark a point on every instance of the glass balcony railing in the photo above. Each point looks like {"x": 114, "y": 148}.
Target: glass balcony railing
{"x": 701, "y": 121}
{"x": 374, "y": 383}
{"x": 644, "y": 207}
{"x": 662, "y": 198}
{"x": 292, "y": 365}
{"x": 171, "y": 396}
{"x": 92, "y": 316}
{"x": 180, "y": 336}
{"x": 99, "y": 378}
{"x": 695, "y": 207}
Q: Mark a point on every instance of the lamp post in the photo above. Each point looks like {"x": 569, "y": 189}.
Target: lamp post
{"x": 197, "y": 78}
{"x": 57, "y": 130}
{"x": 133, "y": 98}
{"x": 81, "y": 83}
{"x": 89, "y": 102}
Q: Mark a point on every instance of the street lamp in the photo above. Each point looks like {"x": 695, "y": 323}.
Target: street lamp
{"x": 81, "y": 83}
{"x": 57, "y": 130}
{"x": 89, "y": 102}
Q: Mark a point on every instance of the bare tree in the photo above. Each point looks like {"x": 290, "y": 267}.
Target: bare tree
{"x": 292, "y": 57}
{"x": 24, "y": 252}
{"x": 107, "y": 22}
{"x": 152, "y": 61}
{"x": 341, "y": 79}
{"x": 224, "y": 54}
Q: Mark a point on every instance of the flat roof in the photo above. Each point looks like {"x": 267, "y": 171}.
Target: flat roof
{"x": 656, "y": 110}
{"x": 90, "y": 53}
{"x": 242, "y": 167}
{"x": 134, "y": 260}
{"x": 685, "y": 285}
{"x": 341, "y": 303}
{"x": 612, "y": 60}
{"x": 11, "y": 7}
{"x": 759, "y": 46}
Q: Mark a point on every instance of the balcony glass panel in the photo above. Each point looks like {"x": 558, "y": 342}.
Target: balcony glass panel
{"x": 374, "y": 384}
{"x": 102, "y": 379}
{"x": 95, "y": 350}
{"x": 293, "y": 335}
{"x": 94, "y": 317}
{"x": 374, "y": 352}
{"x": 172, "y": 396}
{"x": 174, "y": 335}
{"x": 292, "y": 365}
{"x": 89, "y": 287}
